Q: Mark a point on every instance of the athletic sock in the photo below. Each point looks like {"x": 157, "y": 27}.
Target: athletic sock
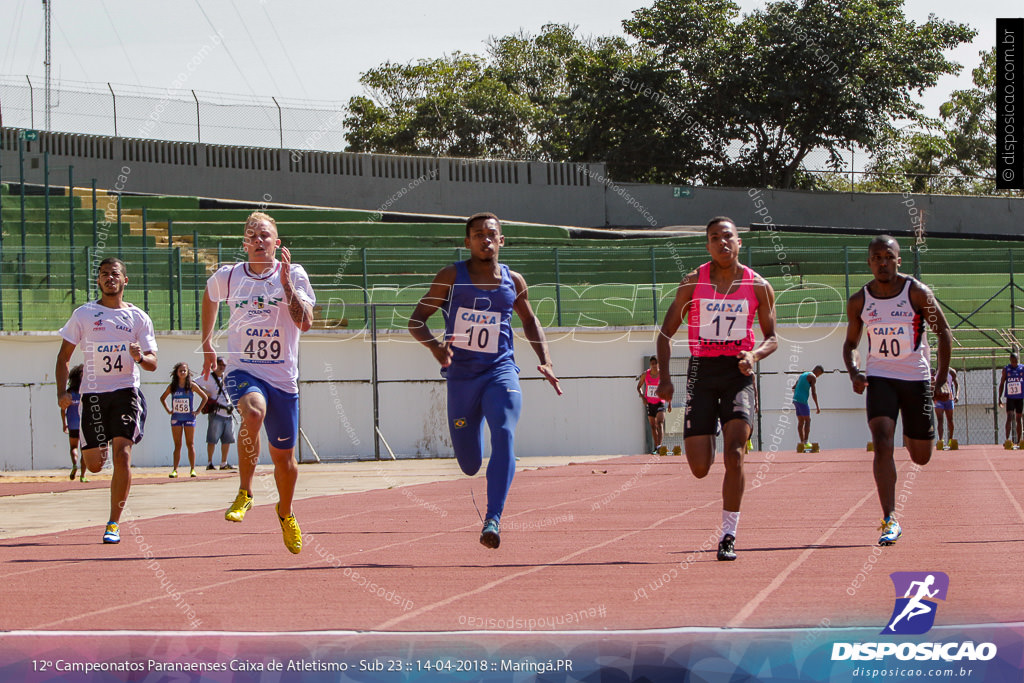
{"x": 730, "y": 520}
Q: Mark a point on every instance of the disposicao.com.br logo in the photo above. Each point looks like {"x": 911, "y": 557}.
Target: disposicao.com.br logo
{"x": 914, "y": 614}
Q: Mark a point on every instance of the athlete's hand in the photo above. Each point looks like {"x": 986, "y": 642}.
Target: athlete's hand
{"x": 860, "y": 381}
{"x": 746, "y": 363}
{"x": 549, "y": 375}
{"x": 135, "y": 351}
{"x": 817, "y": 411}
{"x": 665, "y": 390}
{"x": 209, "y": 361}
{"x": 443, "y": 352}
{"x": 286, "y": 270}
{"x": 64, "y": 400}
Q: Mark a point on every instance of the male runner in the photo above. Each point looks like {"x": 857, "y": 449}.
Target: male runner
{"x": 718, "y": 301}
{"x": 271, "y": 302}
{"x": 115, "y": 337}
{"x": 806, "y": 384}
{"x": 477, "y": 297}
{"x": 1012, "y": 382}
{"x": 647, "y": 387}
{"x": 894, "y": 309}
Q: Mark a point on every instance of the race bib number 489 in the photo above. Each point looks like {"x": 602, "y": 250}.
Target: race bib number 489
{"x": 476, "y": 330}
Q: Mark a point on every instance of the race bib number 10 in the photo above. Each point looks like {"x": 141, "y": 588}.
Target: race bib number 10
{"x": 476, "y": 330}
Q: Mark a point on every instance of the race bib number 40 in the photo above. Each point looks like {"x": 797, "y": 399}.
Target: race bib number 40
{"x": 723, "y": 320}
{"x": 890, "y": 341}
{"x": 476, "y": 330}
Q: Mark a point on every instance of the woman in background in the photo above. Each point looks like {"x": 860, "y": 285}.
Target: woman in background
{"x": 183, "y": 414}
{"x": 72, "y": 418}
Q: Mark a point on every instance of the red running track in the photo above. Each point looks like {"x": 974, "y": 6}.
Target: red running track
{"x": 620, "y": 544}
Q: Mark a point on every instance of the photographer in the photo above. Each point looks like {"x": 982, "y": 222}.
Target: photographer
{"x": 219, "y": 412}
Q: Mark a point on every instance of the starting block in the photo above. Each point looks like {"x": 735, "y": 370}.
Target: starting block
{"x": 815, "y": 447}
{"x": 954, "y": 445}
{"x": 1008, "y": 445}
{"x": 663, "y": 450}
{"x": 677, "y": 450}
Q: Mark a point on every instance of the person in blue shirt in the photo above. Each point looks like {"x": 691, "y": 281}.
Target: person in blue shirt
{"x": 806, "y": 384}
{"x": 1012, "y": 383}
{"x": 477, "y": 297}
{"x": 183, "y": 414}
{"x": 71, "y": 418}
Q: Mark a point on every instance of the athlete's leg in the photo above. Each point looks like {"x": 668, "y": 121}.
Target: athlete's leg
{"x": 95, "y": 458}
{"x": 224, "y": 447}
{"x": 1019, "y": 418}
{"x": 253, "y": 409}
{"x": 176, "y": 435}
{"x": 502, "y": 401}
{"x": 659, "y": 429}
{"x": 803, "y": 428}
{"x": 286, "y": 474}
{"x": 73, "y": 444}
{"x": 949, "y": 422}
{"x": 920, "y": 450}
{"x": 700, "y": 453}
{"x": 190, "y": 444}
{"x": 940, "y": 418}
{"x": 882, "y": 431}
{"x": 209, "y": 452}
{"x": 465, "y": 422}
{"x": 121, "y": 480}
{"x": 1009, "y": 418}
{"x": 736, "y": 433}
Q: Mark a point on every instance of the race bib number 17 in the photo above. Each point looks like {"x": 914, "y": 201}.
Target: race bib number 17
{"x": 723, "y": 320}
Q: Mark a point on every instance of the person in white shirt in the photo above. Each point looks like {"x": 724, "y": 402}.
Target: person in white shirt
{"x": 116, "y": 339}
{"x": 271, "y": 304}
{"x": 220, "y": 425}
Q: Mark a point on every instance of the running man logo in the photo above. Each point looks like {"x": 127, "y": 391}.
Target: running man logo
{"x": 914, "y": 612}
{"x": 460, "y": 423}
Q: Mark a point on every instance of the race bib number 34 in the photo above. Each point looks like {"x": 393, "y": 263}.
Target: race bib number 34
{"x": 112, "y": 358}
{"x": 476, "y": 330}
{"x": 723, "y": 320}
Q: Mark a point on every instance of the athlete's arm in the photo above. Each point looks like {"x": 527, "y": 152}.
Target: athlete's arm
{"x": 61, "y": 374}
{"x": 163, "y": 399}
{"x": 440, "y": 290}
{"x": 674, "y": 317}
{"x": 812, "y": 380}
{"x": 956, "y": 384}
{"x": 924, "y": 302}
{"x": 299, "y": 309}
{"x": 146, "y": 360}
{"x": 209, "y": 318}
{"x": 533, "y": 331}
{"x": 202, "y": 394}
{"x": 766, "y": 319}
{"x": 854, "y": 329}
{"x": 639, "y": 386}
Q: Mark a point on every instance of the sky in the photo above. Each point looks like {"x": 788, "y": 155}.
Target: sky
{"x": 316, "y": 50}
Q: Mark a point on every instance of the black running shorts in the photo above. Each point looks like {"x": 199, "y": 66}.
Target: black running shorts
{"x": 716, "y": 391}
{"x": 1015, "y": 405}
{"x": 913, "y": 399}
{"x": 111, "y": 414}
{"x": 654, "y": 408}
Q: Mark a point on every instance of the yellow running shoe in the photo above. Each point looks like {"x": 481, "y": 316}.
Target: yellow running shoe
{"x": 236, "y": 513}
{"x": 292, "y": 534}
{"x": 192, "y": 473}
{"x": 173, "y": 474}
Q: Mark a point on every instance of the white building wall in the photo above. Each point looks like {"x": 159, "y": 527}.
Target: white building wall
{"x": 598, "y": 414}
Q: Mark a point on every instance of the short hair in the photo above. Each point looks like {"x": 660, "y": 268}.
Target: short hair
{"x": 112, "y": 260}
{"x": 716, "y": 220}
{"x": 482, "y": 216}
{"x": 818, "y": 368}
{"x": 883, "y": 241}
{"x": 1013, "y": 353}
{"x": 654, "y": 359}
{"x": 257, "y": 216}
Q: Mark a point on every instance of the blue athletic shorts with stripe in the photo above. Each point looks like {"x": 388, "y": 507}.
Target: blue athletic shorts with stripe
{"x": 282, "y": 418}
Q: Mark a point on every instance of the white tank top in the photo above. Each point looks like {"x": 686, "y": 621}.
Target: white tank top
{"x": 897, "y": 342}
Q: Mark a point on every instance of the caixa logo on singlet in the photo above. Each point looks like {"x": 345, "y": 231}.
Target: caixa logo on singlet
{"x": 914, "y": 613}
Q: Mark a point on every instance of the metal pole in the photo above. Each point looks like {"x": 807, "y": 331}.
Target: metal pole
{"x": 558, "y": 289}
{"x": 21, "y": 179}
{"x": 94, "y": 216}
{"x": 170, "y": 287}
{"x": 1, "y": 243}
{"x": 145, "y": 260}
{"x": 995, "y": 405}
{"x": 199, "y": 131}
{"x": 280, "y": 121}
{"x": 31, "y": 103}
{"x": 846, "y": 269}
{"x": 654, "y": 286}
{"x": 71, "y": 227}
{"x": 1013, "y": 307}
{"x": 177, "y": 262}
{"x": 120, "y": 237}
{"x": 195, "y": 274}
{"x": 88, "y": 277}
{"x": 373, "y": 381}
{"x": 113, "y": 100}
{"x": 46, "y": 209}
{"x": 366, "y": 296}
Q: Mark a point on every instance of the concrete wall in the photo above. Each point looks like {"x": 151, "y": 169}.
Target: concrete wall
{"x": 564, "y": 194}
{"x": 599, "y": 413}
